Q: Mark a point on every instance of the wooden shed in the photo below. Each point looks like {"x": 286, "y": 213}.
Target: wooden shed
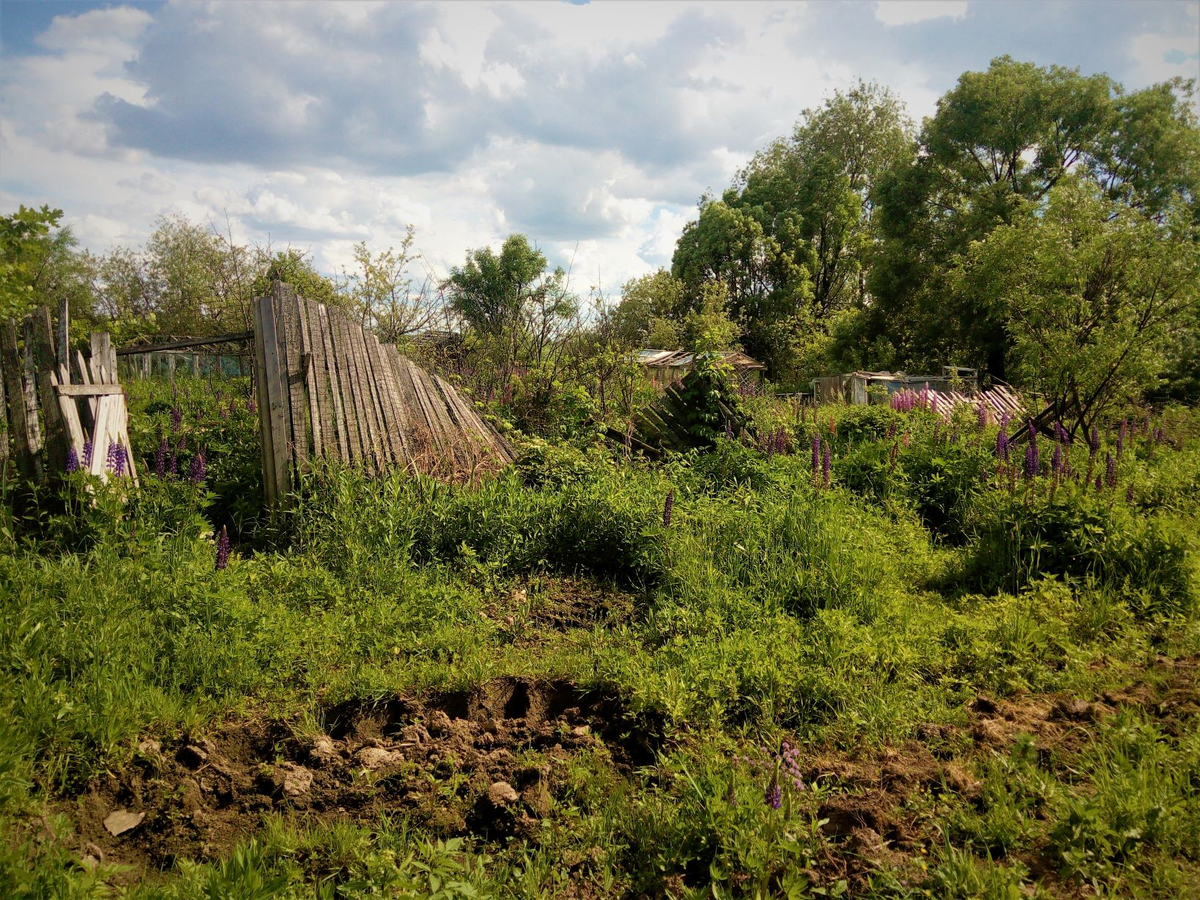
{"x": 667, "y": 367}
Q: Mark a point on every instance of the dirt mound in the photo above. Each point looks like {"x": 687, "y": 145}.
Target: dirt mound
{"x": 483, "y": 762}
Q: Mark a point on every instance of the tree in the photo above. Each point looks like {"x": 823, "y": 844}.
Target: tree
{"x": 1092, "y": 294}
{"x": 39, "y": 264}
{"x": 512, "y": 300}
{"x": 657, "y": 296}
{"x": 790, "y": 238}
{"x": 1000, "y": 140}
{"x": 382, "y": 294}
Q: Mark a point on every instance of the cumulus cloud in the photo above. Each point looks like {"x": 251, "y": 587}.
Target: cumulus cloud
{"x": 593, "y": 129}
{"x": 906, "y": 12}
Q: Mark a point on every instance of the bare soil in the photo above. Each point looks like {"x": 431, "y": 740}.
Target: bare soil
{"x": 482, "y": 762}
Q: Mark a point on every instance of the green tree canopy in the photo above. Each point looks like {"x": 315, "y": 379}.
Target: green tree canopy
{"x": 1092, "y": 294}
{"x": 1002, "y": 139}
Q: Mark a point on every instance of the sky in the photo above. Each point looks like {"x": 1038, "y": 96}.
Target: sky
{"x": 591, "y": 127}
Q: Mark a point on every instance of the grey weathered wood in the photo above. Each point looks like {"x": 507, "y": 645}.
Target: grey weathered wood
{"x": 276, "y": 402}
{"x": 76, "y": 434}
{"x": 45, "y": 361}
{"x": 64, "y": 333}
{"x": 104, "y": 359}
{"x": 13, "y": 366}
{"x": 394, "y": 411}
{"x": 86, "y": 390}
{"x": 105, "y": 410}
{"x": 337, "y": 423}
{"x": 314, "y": 375}
{"x": 346, "y": 382}
{"x": 288, "y": 324}
{"x": 266, "y": 438}
{"x": 184, "y": 344}
{"x": 370, "y": 406}
{"x": 354, "y": 411}
{"x": 389, "y": 422}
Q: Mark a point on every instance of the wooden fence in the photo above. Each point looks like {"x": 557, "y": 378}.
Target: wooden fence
{"x": 327, "y": 388}
{"x": 55, "y": 402}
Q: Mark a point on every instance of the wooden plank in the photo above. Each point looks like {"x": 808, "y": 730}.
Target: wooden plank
{"x": 64, "y": 333}
{"x": 70, "y": 413}
{"x": 422, "y": 439}
{"x": 288, "y": 318}
{"x": 235, "y": 337}
{"x": 100, "y": 438}
{"x": 374, "y": 429}
{"x": 277, "y": 400}
{"x": 104, "y": 361}
{"x": 265, "y": 436}
{"x": 87, "y": 412}
{"x": 309, "y": 375}
{"x": 12, "y": 365}
{"x": 85, "y": 390}
{"x": 399, "y": 416}
{"x": 357, "y": 386}
{"x": 45, "y": 360}
{"x": 123, "y": 434}
{"x": 335, "y": 412}
{"x": 350, "y": 405}
{"x": 29, "y": 393}
{"x": 324, "y": 437}
{"x": 381, "y": 384}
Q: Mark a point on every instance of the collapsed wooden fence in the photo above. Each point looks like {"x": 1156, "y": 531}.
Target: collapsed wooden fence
{"x": 55, "y": 403}
{"x": 328, "y": 389}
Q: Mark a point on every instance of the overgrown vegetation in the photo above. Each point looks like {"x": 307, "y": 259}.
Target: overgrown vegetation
{"x": 875, "y": 651}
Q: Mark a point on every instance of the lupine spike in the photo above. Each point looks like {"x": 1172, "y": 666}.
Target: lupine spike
{"x": 222, "y": 549}
{"x": 667, "y": 507}
{"x": 816, "y": 456}
{"x": 72, "y": 461}
{"x": 825, "y": 465}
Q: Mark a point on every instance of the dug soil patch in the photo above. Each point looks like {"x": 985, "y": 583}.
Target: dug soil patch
{"x": 485, "y": 762}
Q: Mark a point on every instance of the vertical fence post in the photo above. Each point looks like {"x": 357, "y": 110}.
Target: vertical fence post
{"x": 45, "y": 363}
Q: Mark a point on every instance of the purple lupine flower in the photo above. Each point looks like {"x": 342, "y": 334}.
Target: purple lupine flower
{"x": 1002, "y": 445}
{"x": 1032, "y": 463}
{"x": 1060, "y": 434}
{"x": 825, "y": 464}
{"x": 981, "y": 415}
{"x": 116, "y": 458}
{"x": 223, "y": 548}
{"x": 1099, "y": 483}
{"x": 1129, "y": 494}
{"x": 176, "y": 418}
{"x": 1121, "y": 434}
{"x": 198, "y": 469}
{"x": 923, "y": 398}
{"x": 72, "y": 461}
{"x": 1159, "y": 436}
{"x": 87, "y": 453}
{"x": 667, "y": 507}
{"x": 773, "y": 795}
{"x": 816, "y": 456}
{"x": 1005, "y": 418}
{"x": 1056, "y": 462}
{"x": 1094, "y": 441}
{"x": 1110, "y": 470}
{"x": 160, "y": 456}
{"x": 251, "y": 406}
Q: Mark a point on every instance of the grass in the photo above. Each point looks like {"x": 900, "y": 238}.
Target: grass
{"x": 867, "y": 623}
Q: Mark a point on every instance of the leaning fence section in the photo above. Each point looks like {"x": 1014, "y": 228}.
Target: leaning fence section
{"x": 59, "y": 409}
{"x": 328, "y": 389}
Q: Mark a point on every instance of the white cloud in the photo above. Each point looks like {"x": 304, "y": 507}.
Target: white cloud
{"x": 907, "y": 12}
{"x": 593, "y": 129}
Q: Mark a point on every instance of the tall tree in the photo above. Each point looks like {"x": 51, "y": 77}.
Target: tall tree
{"x": 1093, "y": 294}
{"x": 1002, "y": 139}
{"x": 790, "y": 237}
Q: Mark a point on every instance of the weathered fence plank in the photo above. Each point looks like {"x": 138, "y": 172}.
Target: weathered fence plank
{"x": 41, "y": 336}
